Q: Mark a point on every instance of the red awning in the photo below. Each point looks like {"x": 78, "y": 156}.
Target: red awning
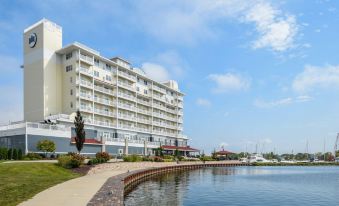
{"x": 223, "y": 152}
{"x": 188, "y": 149}
{"x": 87, "y": 141}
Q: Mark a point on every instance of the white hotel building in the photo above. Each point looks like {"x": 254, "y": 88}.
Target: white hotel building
{"x": 125, "y": 111}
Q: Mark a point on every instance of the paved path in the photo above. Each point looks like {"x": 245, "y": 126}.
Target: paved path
{"x": 79, "y": 191}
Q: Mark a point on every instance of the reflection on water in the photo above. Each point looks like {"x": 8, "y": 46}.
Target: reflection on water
{"x": 241, "y": 186}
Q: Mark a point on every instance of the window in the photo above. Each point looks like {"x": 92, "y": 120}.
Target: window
{"x": 108, "y": 67}
{"x": 71, "y": 91}
{"x": 68, "y": 56}
{"x": 71, "y": 105}
{"x": 96, "y": 73}
{"x": 108, "y": 78}
{"x": 71, "y": 79}
{"x": 138, "y": 89}
{"x": 96, "y": 62}
{"x": 145, "y": 82}
{"x": 145, "y": 91}
{"x": 69, "y": 68}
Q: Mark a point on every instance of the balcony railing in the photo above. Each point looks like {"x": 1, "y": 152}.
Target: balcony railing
{"x": 86, "y": 95}
{"x": 103, "y": 90}
{"x": 86, "y": 108}
{"x": 86, "y": 58}
{"x": 124, "y": 74}
{"x": 126, "y": 96}
{"x": 143, "y": 111}
{"x": 127, "y": 117}
{"x": 104, "y": 112}
{"x": 126, "y": 106}
{"x": 102, "y": 123}
{"x": 126, "y": 85}
{"x": 85, "y": 71}
{"x": 144, "y": 121}
{"x": 104, "y": 101}
{"x": 144, "y": 102}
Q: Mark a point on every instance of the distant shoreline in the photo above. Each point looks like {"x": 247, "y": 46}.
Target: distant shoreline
{"x": 297, "y": 164}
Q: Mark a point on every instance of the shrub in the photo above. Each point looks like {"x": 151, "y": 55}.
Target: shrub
{"x": 19, "y": 154}
{"x": 3, "y": 154}
{"x": 46, "y": 146}
{"x": 10, "y": 154}
{"x": 71, "y": 160}
{"x": 166, "y": 160}
{"x": 103, "y": 155}
{"x": 147, "y": 159}
{"x": 32, "y": 156}
{"x": 15, "y": 154}
{"x": 206, "y": 158}
{"x": 158, "y": 159}
{"x": 95, "y": 161}
{"x": 168, "y": 157}
{"x": 132, "y": 158}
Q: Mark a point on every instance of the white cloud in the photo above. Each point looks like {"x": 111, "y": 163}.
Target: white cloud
{"x": 277, "y": 31}
{"x": 275, "y": 103}
{"x": 190, "y": 21}
{"x": 224, "y": 144}
{"x": 303, "y": 98}
{"x": 281, "y": 102}
{"x": 316, "y": 77}
{"x": 155, "y": 71}
{"x": 203, "y": 102}
{"x": 229, "y": 82}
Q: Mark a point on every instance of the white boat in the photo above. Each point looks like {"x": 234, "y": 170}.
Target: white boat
{"x": 257, "y": 158}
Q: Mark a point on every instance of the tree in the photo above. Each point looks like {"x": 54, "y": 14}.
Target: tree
{"x": 46, "y": 146}
{"x": 80, "y": 134}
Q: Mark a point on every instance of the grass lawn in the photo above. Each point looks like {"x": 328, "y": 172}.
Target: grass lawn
{"x": 21, "y": 181}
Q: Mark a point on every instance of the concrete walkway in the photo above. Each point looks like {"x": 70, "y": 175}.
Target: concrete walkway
{"x": 79, "y": 191}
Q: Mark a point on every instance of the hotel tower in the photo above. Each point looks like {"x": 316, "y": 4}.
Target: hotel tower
{"x": 125, "y": 111}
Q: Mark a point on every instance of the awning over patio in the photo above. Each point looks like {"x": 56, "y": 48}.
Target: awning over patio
{"x": 186, "y": 149}
{"x": 87, "y": 141}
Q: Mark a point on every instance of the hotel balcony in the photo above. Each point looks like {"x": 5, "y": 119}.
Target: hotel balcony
{"x": 86, "y": 96}
{"x": 102, "y": 123}
{"x": 141, "y": 129}
{"x": 103, "y": 90}
{"x": 180, "y": 113}
{"x": 86, "y": 108}
{"x": 144, "y": 121}
{"x": 127, "y": 86}
{"x": 173, "y": 111}
{"x": 156, "y": 88}
{"x": 143, "y": 111}
{"x": 180, "y": 98}
{"x": 157, "y": 97}
{"x": 144, "y": 102}
{"x": 104, "y": 101}
{"x": 86, "y": 59}
{"x": 180, "y": 105}
{"x": 126, "y": 106}
{"x": 126, "y": 126}
{"x": 158, "y": 106}
{"x": 85, "y": 83}
{"x": 104, "y": 112}
{"x": 126, "y": 96}
{"x": 180, "y": 120}
{"x": 127, "y": 76}
{"x": 84, "y": 71}
{"x": 127, "y": 117}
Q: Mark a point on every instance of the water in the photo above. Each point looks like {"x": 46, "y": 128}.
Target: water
{"x": 241, "y": 186}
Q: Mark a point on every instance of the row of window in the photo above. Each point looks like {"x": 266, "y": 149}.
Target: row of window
{"x": 69, "y": 68}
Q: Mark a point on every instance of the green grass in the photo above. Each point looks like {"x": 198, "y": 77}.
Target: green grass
{"x": 21, "y": 181}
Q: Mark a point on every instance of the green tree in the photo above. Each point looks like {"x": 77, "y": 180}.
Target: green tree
{"x": 46, "y": 146}
{"x": 15, "y": 154}
{"x": 79, "y": 131}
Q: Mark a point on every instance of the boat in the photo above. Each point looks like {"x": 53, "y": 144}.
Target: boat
{"x": 257, "y": 158}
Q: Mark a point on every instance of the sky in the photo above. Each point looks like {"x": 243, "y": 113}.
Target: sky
{"x": 255, "y": 73}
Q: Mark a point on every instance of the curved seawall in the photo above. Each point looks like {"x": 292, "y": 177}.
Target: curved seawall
{"x": 112, "y": 192}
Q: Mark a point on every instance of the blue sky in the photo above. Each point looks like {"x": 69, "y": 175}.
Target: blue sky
{"x": 254, "y": 72}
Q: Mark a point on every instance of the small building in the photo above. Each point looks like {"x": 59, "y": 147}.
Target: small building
{"x": 223, "y": 154}
{"x": 184, "y": 151}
